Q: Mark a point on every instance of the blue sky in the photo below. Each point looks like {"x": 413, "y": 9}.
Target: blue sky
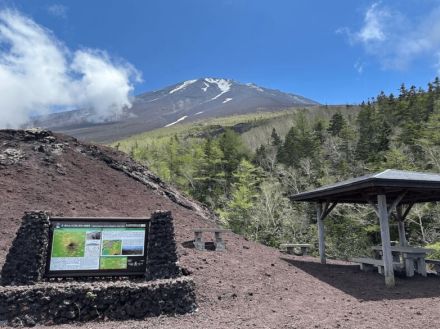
{"x": 331, "y": 51}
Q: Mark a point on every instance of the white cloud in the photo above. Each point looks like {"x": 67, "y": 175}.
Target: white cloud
{"x": 38, "y": 74}
{"x": 57, "y": 10}
{"x": 396, "y": 39}
{"x": 359, "y": 66}
{"x": 104, "y": 86}
{"x": 373, "y": 29}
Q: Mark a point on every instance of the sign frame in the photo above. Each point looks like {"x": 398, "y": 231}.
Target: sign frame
{"x": 96, "y": 221}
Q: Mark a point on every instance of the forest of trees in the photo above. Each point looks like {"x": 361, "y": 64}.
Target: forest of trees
{"x": 251, "y": 190}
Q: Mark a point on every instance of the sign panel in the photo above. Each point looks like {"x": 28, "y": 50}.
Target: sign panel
{"x": 91, "y": 247}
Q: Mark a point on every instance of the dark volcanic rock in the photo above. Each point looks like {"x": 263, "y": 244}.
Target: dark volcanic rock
{"x": 26, "y": 260}
{"x": 67, "y": 302}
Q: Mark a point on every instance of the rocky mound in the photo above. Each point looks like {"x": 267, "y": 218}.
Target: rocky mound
{"x": 248, "y": 285}
{"x": 44, "y": 171}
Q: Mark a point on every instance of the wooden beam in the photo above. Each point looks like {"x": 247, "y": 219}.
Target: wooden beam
{"x": 407, "y": 210}
{"x": 396, "y": 202}
{"x": 328, "y": 209}
{"x": 321, "y": 232}
{"x": 386, "y": 244}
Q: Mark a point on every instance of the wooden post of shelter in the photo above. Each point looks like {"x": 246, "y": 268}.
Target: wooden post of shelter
{"x": 386, "y": 243}
{"x": 321, "y": 232}
{"x": 322, "y": 211}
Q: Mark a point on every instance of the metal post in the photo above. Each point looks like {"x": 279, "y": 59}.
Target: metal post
{"x": 321, "y": 232}
{"x": 386, "y": 244}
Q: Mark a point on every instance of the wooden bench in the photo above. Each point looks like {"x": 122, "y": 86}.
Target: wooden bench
{"x": 435, "y": 263}
{"x": 290, "y": 248}
{"x": 219, "y": 243}
{"x": 368, "y": 264}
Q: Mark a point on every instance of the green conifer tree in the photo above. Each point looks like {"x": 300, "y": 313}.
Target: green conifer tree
{"x": 337, "y": 123}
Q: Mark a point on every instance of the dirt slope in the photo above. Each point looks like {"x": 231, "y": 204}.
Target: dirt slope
{"x": 248, "y": 285}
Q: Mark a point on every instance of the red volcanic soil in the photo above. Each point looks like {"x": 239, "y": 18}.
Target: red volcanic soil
{"x": 248, "y": 285}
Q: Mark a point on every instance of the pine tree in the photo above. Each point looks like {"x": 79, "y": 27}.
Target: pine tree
{"x": 403, "y": 92}
{"x": 288, "y": 153}
{"x": 367, "y": 125}
{"x": 300, "y": 143}
{"x": 209, "y": 176}
{"x": 260, "y": 155}
{"x": 383, "y": 138}
{"x": 337, "y": 123}
{"x": 275, "y": 138}
{"x": 319, "y": 131}
{"x": 308, "y": 146}
{"x": 233, "y": 151}
{"x": 244, "y": 193}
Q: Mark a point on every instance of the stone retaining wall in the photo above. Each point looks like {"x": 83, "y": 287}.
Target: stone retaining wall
{"x": 26, "y": 259}
{"x": 67, "y": 302}
{"x": 162, "y": 254}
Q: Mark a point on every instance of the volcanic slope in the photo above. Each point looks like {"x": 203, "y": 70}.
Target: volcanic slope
{"x": 187, "y": 101}
{"x": 248, "y": 285}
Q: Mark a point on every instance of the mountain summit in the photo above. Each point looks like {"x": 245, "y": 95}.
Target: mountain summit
{"x": 186, "y": 101}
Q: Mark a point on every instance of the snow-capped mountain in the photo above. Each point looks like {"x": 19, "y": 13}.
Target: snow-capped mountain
{"x": 183, "y": 102}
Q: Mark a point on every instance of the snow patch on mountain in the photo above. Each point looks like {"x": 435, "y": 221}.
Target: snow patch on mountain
{"x": 296, "y": 98}
{"x": 222, "y": 84}
{"x": 152, "y": 100}
{"x": 199, "y": 113}
{"x": 206, "y": 87}
{"x": 227, "y": 100}
{"x": 178, "y": 120}
{"x": 254, "y": 87}
{"x": 182, "y": 86}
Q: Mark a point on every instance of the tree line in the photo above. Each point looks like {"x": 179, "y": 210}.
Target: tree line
{"x": 251, "y": 190}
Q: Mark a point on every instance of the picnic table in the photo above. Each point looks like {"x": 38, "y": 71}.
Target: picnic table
{"x": 410, "y": 256}
{"x": 290, "y": 248}
{"x": 368, "y": 264}
{"x": 199, "y": 242}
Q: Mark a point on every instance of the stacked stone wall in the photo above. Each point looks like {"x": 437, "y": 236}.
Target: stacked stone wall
{"x": 26, "y": 259}
{"x": 67, "y": 302}
{"x": 162, "y": 260}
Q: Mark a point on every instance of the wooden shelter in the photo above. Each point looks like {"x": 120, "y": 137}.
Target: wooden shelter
{"x": 386, "y": 191}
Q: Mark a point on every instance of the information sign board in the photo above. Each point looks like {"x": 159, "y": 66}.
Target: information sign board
{"x": 97, "y": 246}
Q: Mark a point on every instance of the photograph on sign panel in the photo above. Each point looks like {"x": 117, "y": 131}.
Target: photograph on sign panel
{"x": 113, "y": 263}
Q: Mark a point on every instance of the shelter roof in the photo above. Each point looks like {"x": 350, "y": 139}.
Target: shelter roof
{"x": 417, "y": 186}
